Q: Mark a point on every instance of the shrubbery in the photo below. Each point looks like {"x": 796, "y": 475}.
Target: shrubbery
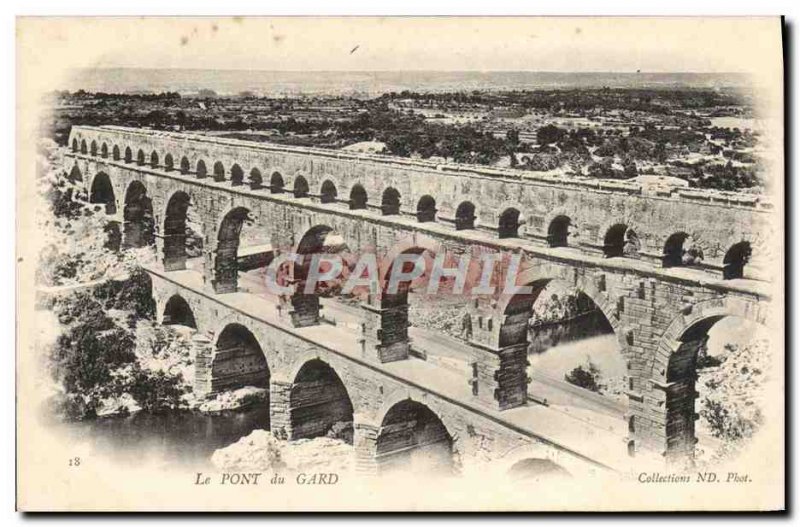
{"x": 587, "y": 377}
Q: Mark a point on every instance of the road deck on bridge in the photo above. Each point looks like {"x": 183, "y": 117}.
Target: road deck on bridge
{"x": 563, "y": 431}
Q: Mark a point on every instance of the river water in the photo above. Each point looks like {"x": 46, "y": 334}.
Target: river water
{"x": 170, "y": 439}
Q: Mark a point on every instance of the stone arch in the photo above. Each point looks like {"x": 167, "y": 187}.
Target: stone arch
{"x": 169, "y": 162}
{"x": 138, "y": 228}
{"x": 102, "y": 191}
{"x": 316, "y": 240}
{"x": 75, "y": 174}
{"x": 128, "y": 154}
{"x": 540, "y": 275}
{"x": 115, "y": 153}
{"x": 201, "y": 170}
{"x": 104, "y": 150}
{"x": 680, "y": 252}
{"x": 509, "y": 223}
{"x": 226, "y": 272}
{"x": 394, "y": 304}
{"x": 237, "y": 175}
{"x": 465, "y": 216}
{"x": 358, "y": 197}
{"x": 621, "y": 240}
{"x": 412, "y": 436}
{"x": 93, "y": 148}
{"x": 255, "y": 179}
{"x": 390, "y": 202}
{"x": 185, "y": 166}
{"x": 735, "y": 260}
{"x": 276, "y": 183}
{"x": 238, "y": 360}
{"x": 84, "y": 148}
{"x": 140, "y": 158}
{"x": 174, "y": 254}
{"x": 300, "y": 189}
{"x": 673, "y": 370}
{"x": 534, "y": 468}
{"x": 319, "y": 403}
{"x": 219, "y": 171}
{"x": 513, "y": 312}
{"x": 328, "y": 192}
{"x": 154, "y": 159}
{"x": 426, "y": 209}
{"x": 74, "y": 144}
{"x": 558, "y": 231}
{"x": 573, "y": 466}
{"x": 177, "y": 311}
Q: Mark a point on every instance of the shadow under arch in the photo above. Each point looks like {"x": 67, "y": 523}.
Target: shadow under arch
{"x": 319, "y": 404}
{"x": 102, "y": 192}
{"x": 238, "y": 360}
{"x": 138, "y": 222}
{"x": 177, "y": 311}
{"x": 226, "y": 268}
{"x": 412, "y": 437}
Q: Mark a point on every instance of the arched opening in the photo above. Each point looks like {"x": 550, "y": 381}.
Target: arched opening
{"x": 319, "y": 239}
{"x": 185, "y": 166}
{"x": 426, "y": 209}
{"x": 75, "y": 174}
{"x": 621, "y": 241}
{"x": 358, "y": 198}
{"x": 536, "y": 469}
{"x": 84, "y": 148}
{"x": 219, "y": 171}
{"x": 413, "y": 439}
{"x": 300, "y": 187}
{"x": 137, "y": 217}
{"x": 226, "y": 269}
{"x": 566, "y": 340}
{"x": 93, "y": 148}
{"x": 128, "y": 154}
{"x": 102, "y": 191}
{"x": 276, "y": 184}
{"x": 104, "y": 151}
{"x": 509, "y": 224}
{"x": 256, "y": 181}
{"x": 238, "y": 361}
{"x": 319, "y": 404}
{"x": 735, "y": 260}
{"x": 178, "y": 312}
{"x": 390, "y": 202}
{"x": 558, "y": 232}
{"x": 74, "y": 145}
{"x": 465, "y": 216}
{"x": 328, "y": 192}
{"x": 115, "y": 153}
{"x": 175, "y": 232}
{"x": 154, "y": 159}
{"x": 202, "y": 170}
{"x": 169, "y": 162}
{"x": 394, "y": 300}
{"x": 681, "y": 251}
{"x": 714, "y": 388}
{"x": 237, "y": 175}
{"x": 140, "y": 160}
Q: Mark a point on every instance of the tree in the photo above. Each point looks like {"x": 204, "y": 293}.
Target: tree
{"x": 586, "y": 377}
{"x": 549, "y": 134}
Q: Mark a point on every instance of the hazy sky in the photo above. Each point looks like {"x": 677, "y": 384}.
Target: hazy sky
{"x": 483, "y": 44}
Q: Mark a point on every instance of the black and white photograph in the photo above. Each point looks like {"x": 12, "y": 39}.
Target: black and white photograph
{"x": 400, "y": 264}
